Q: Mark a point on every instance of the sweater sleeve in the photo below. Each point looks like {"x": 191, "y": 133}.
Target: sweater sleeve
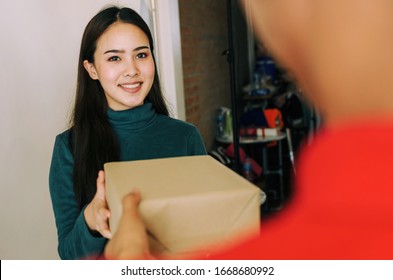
{"x": 74, "y": 238}
{"x": 195, "y": 143}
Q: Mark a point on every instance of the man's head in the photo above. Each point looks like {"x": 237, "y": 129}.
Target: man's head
{"x": 339, "y": 51}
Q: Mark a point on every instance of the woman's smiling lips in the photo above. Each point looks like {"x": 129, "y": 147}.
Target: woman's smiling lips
{"x": 131, "y": 87}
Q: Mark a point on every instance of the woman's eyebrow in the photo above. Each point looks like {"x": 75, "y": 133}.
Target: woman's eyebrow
{"x": 114, "y": 51}
{"x": 123, "y": 51}
{"x": 140, "y": 48}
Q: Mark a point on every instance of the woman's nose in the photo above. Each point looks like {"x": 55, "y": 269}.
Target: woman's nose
{"x": 131, "y": 69}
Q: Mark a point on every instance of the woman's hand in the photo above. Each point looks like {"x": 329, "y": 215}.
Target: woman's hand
{"x": 97, "y": 213}
{"x": 130, "y": 240}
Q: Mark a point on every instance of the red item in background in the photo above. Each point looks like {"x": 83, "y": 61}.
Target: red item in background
{"x": 249, "y": 131}
{"x": 256, "y": 168}
{"x": 274, "y": 118}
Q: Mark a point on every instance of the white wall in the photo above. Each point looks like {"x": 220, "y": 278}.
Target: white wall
{"x": 39, "y": 48}
{"x": 168, "y": 42}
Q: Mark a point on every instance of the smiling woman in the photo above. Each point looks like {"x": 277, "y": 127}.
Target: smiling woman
{"x": 124, "y": 65}
{"x": 119, "y": 114}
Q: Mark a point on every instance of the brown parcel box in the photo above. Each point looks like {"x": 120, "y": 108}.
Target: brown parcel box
{"x": 188, "y": 203}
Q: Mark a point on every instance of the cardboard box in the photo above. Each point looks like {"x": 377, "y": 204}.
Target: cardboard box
{"x": 188, "y": 203}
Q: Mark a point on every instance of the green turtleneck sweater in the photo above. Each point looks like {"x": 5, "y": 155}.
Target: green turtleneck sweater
{"x": 142, "y": 134}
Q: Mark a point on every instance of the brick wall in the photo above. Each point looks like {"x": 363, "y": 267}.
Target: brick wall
{"x": 203, "y": 26}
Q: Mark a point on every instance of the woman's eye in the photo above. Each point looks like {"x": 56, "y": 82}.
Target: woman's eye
{"x": 114, "y": 58}
{"x": 141, "y": 55}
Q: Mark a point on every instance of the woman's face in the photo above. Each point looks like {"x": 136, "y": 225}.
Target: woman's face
{"x": 124, "y": 66}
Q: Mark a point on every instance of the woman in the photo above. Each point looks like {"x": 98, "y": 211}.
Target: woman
{"x": 119, "y": 115}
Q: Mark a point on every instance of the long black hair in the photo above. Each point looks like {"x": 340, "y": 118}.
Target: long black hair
{"x": 92, "y": 139}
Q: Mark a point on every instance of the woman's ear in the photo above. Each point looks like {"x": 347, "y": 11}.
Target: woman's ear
{"x": 90, "y": 69}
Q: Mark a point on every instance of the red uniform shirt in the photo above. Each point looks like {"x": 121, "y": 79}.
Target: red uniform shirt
{"x": 343, "y": 202}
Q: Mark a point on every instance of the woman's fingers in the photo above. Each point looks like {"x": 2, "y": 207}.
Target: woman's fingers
{"x": 103, "y": 222}
{"x": 101, "y": 185}
{"x": 105, "y": 232}
{"x": 97, "y": 213}
{"x": 103, "y": 212}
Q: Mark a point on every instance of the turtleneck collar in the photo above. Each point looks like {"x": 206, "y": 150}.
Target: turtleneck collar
{"x": 132, "y": 119}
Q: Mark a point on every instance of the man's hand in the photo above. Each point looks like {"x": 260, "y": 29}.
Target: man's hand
{"x": 130, "y": 240}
